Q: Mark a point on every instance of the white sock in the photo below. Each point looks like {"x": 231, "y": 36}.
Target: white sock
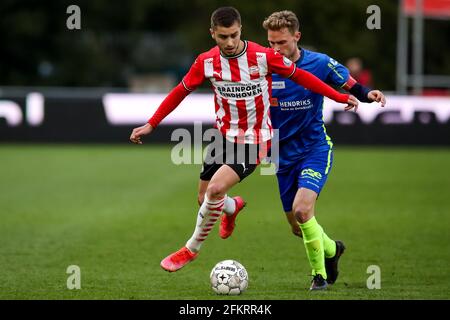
{"x": 208, "y": 214}
{"x": 230, "y": 205}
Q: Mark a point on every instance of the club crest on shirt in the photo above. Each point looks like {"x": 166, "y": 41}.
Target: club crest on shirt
{"x": 253, "y": 70}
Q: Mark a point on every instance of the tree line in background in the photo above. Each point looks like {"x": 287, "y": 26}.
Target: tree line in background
{"x": 122, "y": 39}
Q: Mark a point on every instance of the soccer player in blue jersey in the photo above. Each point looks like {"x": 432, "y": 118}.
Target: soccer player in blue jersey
{"x": 305, "y": 149}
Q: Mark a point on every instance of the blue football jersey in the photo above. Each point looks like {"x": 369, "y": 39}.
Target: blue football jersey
{"x": 297, "y": 112}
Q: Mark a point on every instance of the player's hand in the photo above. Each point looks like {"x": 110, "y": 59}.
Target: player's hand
{"x": 139, "y": 132}
{"x": 352, "y": 102}
{"x": 378, "y": 96}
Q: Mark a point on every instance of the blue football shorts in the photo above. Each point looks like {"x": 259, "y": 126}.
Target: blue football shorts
{"x": 310, "y": 172}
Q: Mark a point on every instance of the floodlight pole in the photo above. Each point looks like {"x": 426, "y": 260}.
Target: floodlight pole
{"x": 402, "y": 50}
{"x": 418, "y": 48}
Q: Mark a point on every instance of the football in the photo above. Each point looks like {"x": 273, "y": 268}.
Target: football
{"x": 229, "y": 277}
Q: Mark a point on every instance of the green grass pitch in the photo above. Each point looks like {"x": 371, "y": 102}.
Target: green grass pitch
{"x": 116, "y": 211}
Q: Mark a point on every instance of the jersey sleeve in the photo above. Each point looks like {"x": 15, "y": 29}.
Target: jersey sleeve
{"x": 337, "y": 74}
{"x": 195, "y": 76}
{"x": 279, "y": 64}
{"x": 170, "y": 103}
{"x": 311, "y": 82}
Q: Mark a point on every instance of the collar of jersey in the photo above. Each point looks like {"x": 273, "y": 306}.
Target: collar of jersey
{"x": 238, "y": 55}
{"x": 302, "y": 55}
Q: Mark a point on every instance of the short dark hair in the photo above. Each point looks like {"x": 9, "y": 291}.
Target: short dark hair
{"x": 225, "y": 17}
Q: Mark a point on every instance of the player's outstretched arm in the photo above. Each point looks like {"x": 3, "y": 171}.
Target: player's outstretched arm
{"x": 363, "y": 93}
{"x": 286, "y": 68}
{"x": 311, "y": 82}
{"x": 190, "y": 82}
{"x": 169, "y": 104}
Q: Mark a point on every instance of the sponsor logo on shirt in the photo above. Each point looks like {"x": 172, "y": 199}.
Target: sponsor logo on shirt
{"x": 274, "y": 102}
{"x": 278, "y": 85}
{"x": 333, "y": 62}
{"x": 296, "y": 105}
{"x": 239, "y": 91}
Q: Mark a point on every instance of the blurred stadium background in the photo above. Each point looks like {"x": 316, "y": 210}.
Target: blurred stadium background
{"x": 73, "y": 191}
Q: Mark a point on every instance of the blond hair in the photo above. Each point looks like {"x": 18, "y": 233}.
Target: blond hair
{"x": 282, "y": 19}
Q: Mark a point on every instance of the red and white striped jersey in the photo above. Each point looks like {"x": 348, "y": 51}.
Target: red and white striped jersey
{"x": 242, "y": 89}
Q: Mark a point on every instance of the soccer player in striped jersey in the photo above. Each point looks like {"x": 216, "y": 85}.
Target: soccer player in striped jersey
{"x": 305, "y": 149}
{"x": 240, "y": 73}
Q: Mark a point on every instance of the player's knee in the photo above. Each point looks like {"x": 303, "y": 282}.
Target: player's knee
{"x": 215, "y": 190}
{"x": 303, "y": 211}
